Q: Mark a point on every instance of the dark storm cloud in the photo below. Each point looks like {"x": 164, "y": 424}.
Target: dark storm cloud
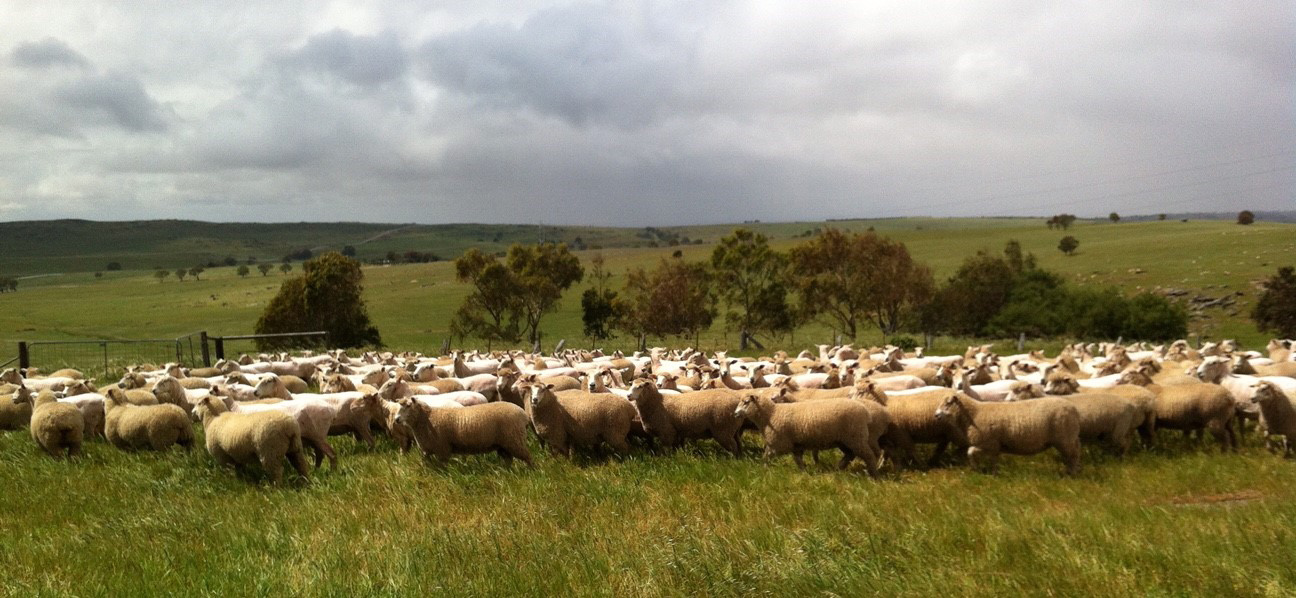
{"x": 47, "y": 52}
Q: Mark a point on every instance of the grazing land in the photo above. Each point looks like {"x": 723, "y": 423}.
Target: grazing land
{"x": 1179, "y": 519}
{"x": 411, "y": 304}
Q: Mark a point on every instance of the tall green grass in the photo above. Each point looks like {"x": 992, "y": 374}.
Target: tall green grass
{"x": 1179, "y": 520}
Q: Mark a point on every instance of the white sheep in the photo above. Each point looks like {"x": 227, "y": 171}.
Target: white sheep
{"x": 1022, "y": 428}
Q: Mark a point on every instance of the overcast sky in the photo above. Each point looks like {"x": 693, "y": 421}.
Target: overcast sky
{"x": 643, "y": 113}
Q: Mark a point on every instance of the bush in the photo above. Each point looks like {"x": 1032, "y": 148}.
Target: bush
{"x": 1245, "y": 217}
{"x": 327, "y": 296}
{"x": 112, "y": 266}
{"x": 906, "y": 343}
{"x": 1275, "y": 311}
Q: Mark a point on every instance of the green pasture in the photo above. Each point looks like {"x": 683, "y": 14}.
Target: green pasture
{"x": 412, "y": 304}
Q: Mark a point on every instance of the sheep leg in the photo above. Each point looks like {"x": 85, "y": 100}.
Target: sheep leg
{"x": 298, "y": 459}
{"x": 973, "y": 459}
{"x": 729, "y": 444}
{"x": 939, "y": 452}
{"x": 796, "y": 456}
{"x": 847, "y": 456}
{"x": 273, "y": 468}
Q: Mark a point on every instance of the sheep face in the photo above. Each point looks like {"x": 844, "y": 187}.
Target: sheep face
{"x": 1265, "y": 391}
{"x": 541, "y": 395}
{"x": 11, "y": 376}
{"x": 22, "y": 395}
{"x": 949, "y": 410}
{"x": 745, "y": 406}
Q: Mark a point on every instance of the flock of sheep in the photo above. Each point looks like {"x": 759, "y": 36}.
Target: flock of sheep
{"x": 874, "y": 405}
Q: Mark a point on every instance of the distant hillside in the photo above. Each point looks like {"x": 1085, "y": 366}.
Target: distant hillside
{"x": 1288, "y": 216}
{"x": 63, "y": 246}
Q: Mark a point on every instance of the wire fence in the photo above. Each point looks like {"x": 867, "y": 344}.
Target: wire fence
{"x": 107, "y": 359}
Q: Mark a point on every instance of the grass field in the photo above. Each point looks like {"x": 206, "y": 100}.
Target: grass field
{"x": 1178, "y": 520}
{"x": 1181, "y": 519}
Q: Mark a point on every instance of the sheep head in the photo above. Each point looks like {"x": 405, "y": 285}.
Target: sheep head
{"x": 542, "y": 394}
{"x": 950, "y": 410}
{"x": 1266, "y": 391}
{"x": 22, "y": 395}
{"x": 1062, "y": 384}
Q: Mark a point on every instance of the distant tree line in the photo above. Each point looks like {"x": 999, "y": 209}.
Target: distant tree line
{"x": 849, "y": 281}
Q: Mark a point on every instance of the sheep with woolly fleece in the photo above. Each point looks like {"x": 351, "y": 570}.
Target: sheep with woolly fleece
{"x": 356, "y": 411}
{"x": 1023, "y": 428}
{"x": 155, "y": 427}
{"x": 814, "y": 425}
{"x": 697, "y": 415}
{"x": 580, "y": 420}
{"x": 55, "y": 426}
{"x": 1254, "y": 367}
{"x": 1104, "y": 417}
{"x": 1192, "y": 407}
{"x": 16, "y": 408}
{"x": 1277, "y": 414}
{"x": 912, "y": 422}
{"x": 241, "y": 439}
{"x": 440, "y": 433}
{"x": 1143, "y": 399}
{"x": 397, "y": 389}
{"x": 401, "y": 434}
{"x": 313, "y": 421}
{"x": 1217, "y": 370}
{"x": 16, "y": 378}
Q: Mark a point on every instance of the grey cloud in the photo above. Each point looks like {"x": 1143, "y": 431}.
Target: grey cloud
{"x": 47, "y": 52}
{"x": 115, "y": 97}
{"x": 582, "y": 63}
{"x": 359, "y": 59}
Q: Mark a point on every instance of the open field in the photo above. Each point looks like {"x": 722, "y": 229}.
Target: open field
{"x": 1178, "y": 520}
{"x": 1181, "y": 519}
{"x": 412, "y": 304}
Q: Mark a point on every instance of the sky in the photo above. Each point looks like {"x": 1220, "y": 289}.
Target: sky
{"x": 632, "y": 113}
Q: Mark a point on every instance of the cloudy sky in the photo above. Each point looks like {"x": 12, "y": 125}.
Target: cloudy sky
{"x": 638, "y": 113}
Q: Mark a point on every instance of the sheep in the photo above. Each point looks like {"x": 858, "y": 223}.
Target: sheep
{"x": 15, "y": 410}
{"x": 1103, "y": 417}
{"x": 314, "y": 419}
{"x": 240, "y": 439}
{"x": 13, "y": 376}
{"x": 913, "y": 421}
{"x": 814, "y": 425}
{"x": 699, "y": 414}
{"x": 155, "y": 427}
{"x": 1277, "y": 414}
{"x": 1192, "y": 407}
{"x": 498, "y": 426}
{"x": 580, "y": 420}
{"x": 91, "y": 406}
{"x": 1015, "y": 428}
{"x": 55, "y": 426}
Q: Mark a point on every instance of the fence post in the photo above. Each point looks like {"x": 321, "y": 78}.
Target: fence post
{"x": 24, "y": 358}
{"x": 206, "y": 356}
{"x": 220, "y": 348}
{"x": 105, "y": 351}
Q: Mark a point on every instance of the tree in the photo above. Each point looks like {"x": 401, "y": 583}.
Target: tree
{"x": 195, "y": 271}
{"x": 1114, "y": 217}
{"x": 1061, "y": 221}
{"x": 1161, "y": 216}
{"x": 1245, "y": 217}
{"x": 349, "y": 251}
{"x": 848, "y": 279}
{"x": 8, "y": 283}
{"x": 285, "y": 267}
{"x": 181, "y": 273}
{"x": 750, "y": 278}
{"x": 113, "y": 266}
{"x": 490, "y": 311}
{"x": 674, "y": 299}
{"x": 327, "y": 296}
{"x": 243, "y": 271}
{"x": 161, "y": 275}
{"x": 542, "y": 273}
{"x": 1275, "y": 310}
{"x": 230, "y": 260}
{"x": 598, "y": 303}
{"x": 265, "y": 268}
{"x": 972, "y": 297}
{"x": 1068, "y": 244}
